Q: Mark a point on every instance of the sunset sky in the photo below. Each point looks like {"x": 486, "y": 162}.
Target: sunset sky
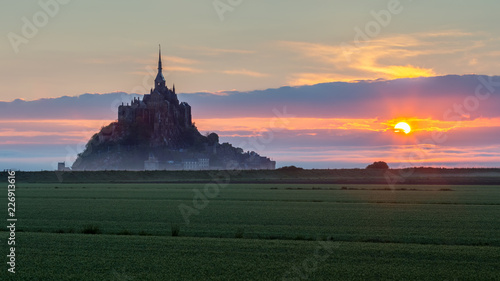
{"x": 318, "y": 84}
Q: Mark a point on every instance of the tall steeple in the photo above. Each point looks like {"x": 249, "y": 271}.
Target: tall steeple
{"x": 160, "y": 80}
{"x": 160, "y": 68}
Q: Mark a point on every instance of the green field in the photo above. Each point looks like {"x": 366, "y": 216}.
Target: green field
{"x": 256, "y": 232}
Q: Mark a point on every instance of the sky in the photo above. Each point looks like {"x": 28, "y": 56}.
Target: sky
{"x": 345, "y": 70}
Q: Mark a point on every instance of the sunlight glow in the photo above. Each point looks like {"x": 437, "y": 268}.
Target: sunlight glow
{"x": 402, "y": 126}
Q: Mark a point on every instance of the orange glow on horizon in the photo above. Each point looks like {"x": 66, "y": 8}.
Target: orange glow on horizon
{"x": 379, "y": 144}
{"x": 82, "y": 130}
{"x": 418, "y": 125}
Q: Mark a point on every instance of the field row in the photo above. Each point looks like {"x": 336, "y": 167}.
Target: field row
{"x": 360, "y": 176}
{"x": 463, "y": 215}
{"x": 63, "y": 257}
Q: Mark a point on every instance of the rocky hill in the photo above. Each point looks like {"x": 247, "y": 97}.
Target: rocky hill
{"x": 157, "y": 133}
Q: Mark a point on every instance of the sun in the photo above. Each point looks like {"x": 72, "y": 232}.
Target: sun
{"x": 402, "y": 126}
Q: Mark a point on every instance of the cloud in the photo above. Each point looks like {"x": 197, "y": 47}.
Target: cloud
{"x": 180, "y": 64}
{"x": 57, "y": 131}
{"x": 329, "y": 123}
{"x": 390, "y": 57}
{"x": 408, "y": 71}
{"x": 245, "y": 73}
{"x": 207, "y": 51}
{"x": 299, "y": 124}
{"x": 358, "y": 148}
{"x": 421, "y": 98}
{"x": 178, "y": 60}
{"x": 86, "y": 106}
{"x": 438, "y": 98}
{"x": 183, "y": 69}
{"x": 300, "y": 79}
{"x": 170, "y": 64}
{"x": 108, "y": 60}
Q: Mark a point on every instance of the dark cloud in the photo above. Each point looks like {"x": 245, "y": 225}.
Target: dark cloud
{"x": 86, "y": 106}
{"x": 423, "y": 97}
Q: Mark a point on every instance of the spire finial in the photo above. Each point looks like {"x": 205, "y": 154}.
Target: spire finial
{"x": 160, "y": 80}
{"x": 159, "y": 59}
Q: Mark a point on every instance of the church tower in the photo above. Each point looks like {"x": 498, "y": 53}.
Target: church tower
{"x": 160, "y": 80}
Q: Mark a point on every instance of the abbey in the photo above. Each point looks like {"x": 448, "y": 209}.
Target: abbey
{"x": 160, "y": 111}
{"x": 156, "y": 132}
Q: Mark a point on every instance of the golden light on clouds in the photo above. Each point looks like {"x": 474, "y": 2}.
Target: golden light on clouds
{"x": 300, "y": 79}
{"x": 389, "y": 57}
{"x": 409, "y": 71}
{"x": 258, "y": 124}
{"x": 247, "y": 126}
{"x": 348, "y": 124}
{"x": 245, "y": 72}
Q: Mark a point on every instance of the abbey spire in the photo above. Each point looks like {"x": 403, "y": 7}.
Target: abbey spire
{"x": 160, "y": 68}
{"x": 160, "y": 80}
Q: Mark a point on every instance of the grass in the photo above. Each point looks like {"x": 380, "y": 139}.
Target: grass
{"x": 239, "y": 233}
{"x": 91, "y": 229}
{"x": 175, "y": 230}
{"x": 409, "y": 232}
{"x": 124, "y": 232}
{"x": 464, "y": 216}
{"x": 360, "y": 176}
{"x": 47, "y": 256}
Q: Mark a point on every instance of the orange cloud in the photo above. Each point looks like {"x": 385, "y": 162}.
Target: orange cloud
{"x": 171, "y": 63}
{"x": 388, "y": 57}
{"x": 429, "y": 125}
{"x": 300, "y": 79}
{"x": 217, "y": 51}
{"x": 259, "y": 124}
{"x": 246, "y": 127}
{"x": 245, "y": 72}
{"x": 182, "y": 69}
{"x": 12, "y": 133}
{"x": 408, "y": 71}
{"x": 75, "y": 123}
{"x": 303, "y": 140}
{"x": 49, "y": 131}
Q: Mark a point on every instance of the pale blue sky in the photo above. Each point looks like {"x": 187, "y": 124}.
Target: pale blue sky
{"x": 105, "y": 46}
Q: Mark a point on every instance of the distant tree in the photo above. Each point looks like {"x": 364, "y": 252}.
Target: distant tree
{"x": 290, "y": 168}
{"x": 213, "y": 138}
{"x": 381, "y": 165}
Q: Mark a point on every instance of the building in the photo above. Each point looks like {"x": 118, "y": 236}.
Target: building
{"x": 156, "y": 132}
{"x": 190, "y": 164}
{"x": 61, "y": 166}
{"x": 196, "y": 164}
{"x": 152, "y": 164}
{"x": 159, "y": 111}
{"x": 203, "y": 163}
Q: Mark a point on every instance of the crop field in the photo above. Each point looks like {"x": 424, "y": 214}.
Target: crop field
{"x": 194, "y": 231}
